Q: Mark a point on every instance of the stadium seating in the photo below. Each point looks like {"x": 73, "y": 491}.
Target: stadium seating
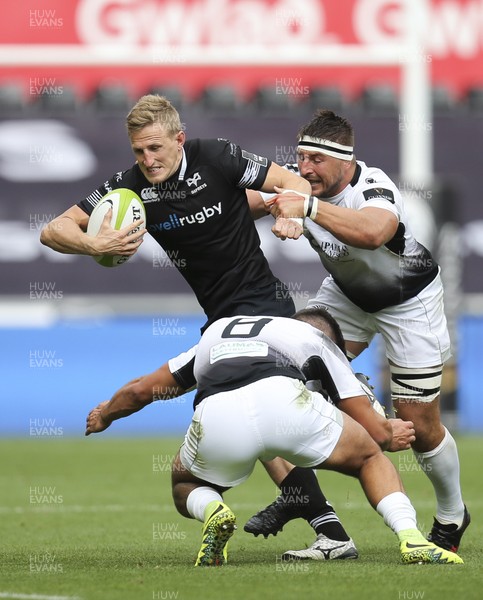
{"x": 379, "y": 99}
{"x": 326, "y": 97}
{"x": 443, "y": 100}
{"x": 62, "y": 100}
{"x": 220, "y": 98}
{"x": 172, "y": 92}
{"x": 112, "y": 98}
{"x": 12, "y": 98}
{"x": 473, "y": 100}
{"x": 268, "y": 99}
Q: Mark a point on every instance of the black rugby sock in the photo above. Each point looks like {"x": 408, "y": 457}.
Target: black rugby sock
{"x": 302, "y": 494}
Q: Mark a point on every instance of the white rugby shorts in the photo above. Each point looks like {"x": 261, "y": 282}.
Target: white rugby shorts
{"x": 415, "y": 332}
{"x": 275, "y": 416}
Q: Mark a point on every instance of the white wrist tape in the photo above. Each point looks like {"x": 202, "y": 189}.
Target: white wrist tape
{"x": 311, "y": 205}
{"x": 298, "y": 220}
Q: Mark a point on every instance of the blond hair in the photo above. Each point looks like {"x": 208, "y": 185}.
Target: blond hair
{"x": 151, "y": 109}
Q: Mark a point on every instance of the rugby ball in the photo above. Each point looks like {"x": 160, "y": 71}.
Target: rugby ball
{"x": 378, "y": 407}
{"x": 127, "y": 208}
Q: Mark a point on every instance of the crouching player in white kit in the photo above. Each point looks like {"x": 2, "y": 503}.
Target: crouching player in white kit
{"x": 254, "y": 369}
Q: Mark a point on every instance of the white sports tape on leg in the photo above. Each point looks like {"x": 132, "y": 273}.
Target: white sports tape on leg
{"x": 415, "y": 384}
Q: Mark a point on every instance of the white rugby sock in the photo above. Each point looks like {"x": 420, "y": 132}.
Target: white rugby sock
{"x": 442, "y": 467}
{"x": 198, "y": 500}
{"x": 397, "y": 511}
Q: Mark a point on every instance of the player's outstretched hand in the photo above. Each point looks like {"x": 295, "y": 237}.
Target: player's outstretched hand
{"x": 94, "y": 422}
{"x": 403, "y": 435}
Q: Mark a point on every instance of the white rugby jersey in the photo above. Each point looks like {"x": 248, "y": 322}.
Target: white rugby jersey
{"x": 373, "y": 279}
{"x": 236, "y": 351}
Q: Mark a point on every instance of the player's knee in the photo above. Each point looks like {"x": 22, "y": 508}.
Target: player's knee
{"x": 429, "y": 434}
{"x": 359, "y": 460}
{"x": 179, "y": 487}
{"x": 179, "y": 498}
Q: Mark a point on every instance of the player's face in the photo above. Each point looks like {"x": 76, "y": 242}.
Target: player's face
{"x": 157, "y": 153}
{"x": 327, "y": 175}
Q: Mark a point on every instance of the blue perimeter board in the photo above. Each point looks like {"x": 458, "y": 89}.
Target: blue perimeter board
{"x": 53, "y": 375}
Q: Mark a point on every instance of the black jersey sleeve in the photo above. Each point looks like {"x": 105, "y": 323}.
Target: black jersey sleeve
{"x": 122, "y": 179}
{"x": 244, "y": 169}
{"x": 182, "y": 368}
{"x": 185, "y": 377}
{"x": 315, "y": 369}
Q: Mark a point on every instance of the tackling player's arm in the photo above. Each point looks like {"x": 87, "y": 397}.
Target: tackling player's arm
{"x": 360, "y": 409}
{"x": 280, "y": 180}
{"x": 392, "y": 435}
{"x": 334, "y": 373}
{"x": 132, "y": 397}
{"x": 67, "y": 234}
{"x": 369, "y": 227}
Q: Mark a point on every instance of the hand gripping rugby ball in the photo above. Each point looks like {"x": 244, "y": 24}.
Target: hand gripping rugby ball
{"x": 127, "y": 207}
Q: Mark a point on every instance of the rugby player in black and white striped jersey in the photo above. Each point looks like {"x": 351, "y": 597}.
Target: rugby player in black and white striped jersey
{"x": 381, "y": 280}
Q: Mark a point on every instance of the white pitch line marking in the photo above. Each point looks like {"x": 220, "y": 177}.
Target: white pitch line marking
{"x": 14, "y": 595}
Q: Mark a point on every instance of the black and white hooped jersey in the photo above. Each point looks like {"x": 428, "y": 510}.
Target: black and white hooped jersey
{"x": 373, "y": 279}
{"x": 236, "y": 351}
{"x": 200, "y": 217}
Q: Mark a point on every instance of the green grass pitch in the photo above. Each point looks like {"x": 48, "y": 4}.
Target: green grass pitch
{"x": 93, "y": 519}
